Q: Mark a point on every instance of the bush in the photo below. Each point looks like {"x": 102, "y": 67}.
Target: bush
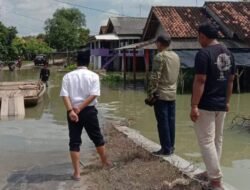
{"x": 112, "y": 78}
{"x": 71, "y": 67}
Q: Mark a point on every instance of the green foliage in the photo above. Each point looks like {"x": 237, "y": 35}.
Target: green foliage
{"x": 18, "y": 46}
{"x": 41, "y": 37}
{"x": 71, "y": 67}
{"x": 29, "y": 47}
{"x": 112, "y": 78}
{"x": 12, "y": 46}
{"x": 66, "y": 30}
{"x": 7, "y": 34}
{"x": 35, "y": 46}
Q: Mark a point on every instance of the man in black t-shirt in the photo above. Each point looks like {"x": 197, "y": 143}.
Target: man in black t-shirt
{"x": 212, "y": 88}
{"x": 44, "y": 74}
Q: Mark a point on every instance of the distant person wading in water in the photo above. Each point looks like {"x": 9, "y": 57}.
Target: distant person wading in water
{"x": 45, "y": 74}
{"x": 19, "y": 63}
{"x": 80, "y": 89}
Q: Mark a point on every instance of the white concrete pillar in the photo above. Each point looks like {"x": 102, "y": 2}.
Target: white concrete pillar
{"x": 99, "y": 62}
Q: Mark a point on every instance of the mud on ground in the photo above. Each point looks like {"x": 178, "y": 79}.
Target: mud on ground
{"x": 134, "y": 169}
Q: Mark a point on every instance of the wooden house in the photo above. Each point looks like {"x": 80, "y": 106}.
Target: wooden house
{"x": 120, "y": 31}
{"x": 181, "y": 23}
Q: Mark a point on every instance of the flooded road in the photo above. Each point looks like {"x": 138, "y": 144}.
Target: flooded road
{"x": 47, "y": 121}
{"x": 236, "y": 150}
{"x": 34, "y": 152}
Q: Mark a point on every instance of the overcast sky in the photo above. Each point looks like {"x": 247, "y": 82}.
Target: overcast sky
{"x": 29, "y": 15}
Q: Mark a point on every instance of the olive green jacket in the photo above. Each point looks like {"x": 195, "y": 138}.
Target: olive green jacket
{"x": 164, "y": 75}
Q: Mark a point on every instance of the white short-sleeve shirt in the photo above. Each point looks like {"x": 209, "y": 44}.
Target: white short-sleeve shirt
{"x": 79, "y": 84}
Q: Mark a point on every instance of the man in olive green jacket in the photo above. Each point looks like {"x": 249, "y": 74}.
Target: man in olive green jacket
{"x": 162, "y": 93}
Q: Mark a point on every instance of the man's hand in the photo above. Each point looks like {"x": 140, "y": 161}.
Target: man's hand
{"x": 150, "y": 101}
{"x": 194, "y": 114}
{"x": 77, "y": 110}
{"x": 73, "y": 116}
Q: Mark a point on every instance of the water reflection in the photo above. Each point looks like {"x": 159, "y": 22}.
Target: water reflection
{"x": 119, "y": 103}
{"x": 129, "y": 104}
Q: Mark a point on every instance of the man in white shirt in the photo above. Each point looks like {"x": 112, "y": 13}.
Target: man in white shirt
{"x": 80, "y": 89}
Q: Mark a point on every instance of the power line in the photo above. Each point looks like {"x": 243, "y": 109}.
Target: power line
{"x": 75, "y": 5}
{"x": 29, "y": 17}
{"x": 90, "y": 8}
{"x": 32, "y": 27}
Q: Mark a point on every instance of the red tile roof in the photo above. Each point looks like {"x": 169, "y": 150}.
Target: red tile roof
{"x": 181, "y": 22}
{"x": 234, "y": 15}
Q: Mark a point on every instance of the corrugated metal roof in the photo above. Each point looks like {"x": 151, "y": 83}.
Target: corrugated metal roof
{"x": 187, "y": 58}
{"x": 106, "y": 37}
{"x": 140, "y": 45}
{"x": 128, "y": 25}
{"x": 242, "y": 58}
{"x": 185, "y": 44}
{"x": 111, "y": 37}
{"x": 175, "y": 44}
{"x": 103, "y": 30}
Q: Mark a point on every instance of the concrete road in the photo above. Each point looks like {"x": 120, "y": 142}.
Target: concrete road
{"x": 34, "y": 155}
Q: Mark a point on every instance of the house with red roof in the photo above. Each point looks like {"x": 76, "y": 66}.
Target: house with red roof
{"x": 181, "y": 24}
{"x": 233, "y": 17}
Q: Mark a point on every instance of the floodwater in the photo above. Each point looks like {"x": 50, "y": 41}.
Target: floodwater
{"x": 128, "y": 105}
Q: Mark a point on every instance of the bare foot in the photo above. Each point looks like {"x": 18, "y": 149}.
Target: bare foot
{"x": 107, "y": 165}
{"x": 76, "y": 177}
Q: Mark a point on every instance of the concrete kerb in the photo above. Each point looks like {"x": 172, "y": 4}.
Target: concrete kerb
{"x": 183, "y": 165}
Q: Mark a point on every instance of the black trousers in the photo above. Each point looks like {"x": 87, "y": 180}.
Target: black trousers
{"x": 89, "y": 120}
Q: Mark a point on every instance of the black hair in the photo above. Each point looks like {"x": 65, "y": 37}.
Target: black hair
{"x": 210, "y": 30}
{"x": 83, "y": 57}
{"x": 164, "y": 40}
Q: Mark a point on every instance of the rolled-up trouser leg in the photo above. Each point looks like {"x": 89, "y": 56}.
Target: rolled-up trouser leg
{"x": 75, "y": 132}
{"x": 91, "y": 124}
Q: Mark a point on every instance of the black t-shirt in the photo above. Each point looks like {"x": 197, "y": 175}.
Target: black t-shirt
{"x": 217, "y": 63}
{"x": 44, "y": 74}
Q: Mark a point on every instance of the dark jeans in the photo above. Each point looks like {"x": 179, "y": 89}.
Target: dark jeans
{"x": 165, "y": 116}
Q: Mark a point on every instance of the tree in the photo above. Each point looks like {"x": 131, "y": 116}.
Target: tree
{"x": 7, "y": 35}
{"x": 18, "y": 47}
{"x": 35, "y": 46}
{"x": 29, "y": 47}
{"x": 41, "y": 37}
{"x": 66, "y": 30}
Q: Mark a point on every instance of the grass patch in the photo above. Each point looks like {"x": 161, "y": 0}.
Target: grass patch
{"x": 112, "y": 78}
{"x": 70, "y": 67}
